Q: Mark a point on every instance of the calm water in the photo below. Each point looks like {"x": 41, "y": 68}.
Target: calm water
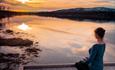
{"x": 62, "y": 40}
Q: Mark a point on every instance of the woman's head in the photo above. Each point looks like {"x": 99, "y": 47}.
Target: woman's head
{"x": 99, "y": 33}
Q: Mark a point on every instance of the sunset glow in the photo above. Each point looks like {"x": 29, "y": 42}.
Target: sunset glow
{"x": 23, "y": 1}
{"x": 57, "y": 4}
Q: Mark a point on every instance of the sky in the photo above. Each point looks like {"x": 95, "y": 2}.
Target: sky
{"x": 56, "y": 4}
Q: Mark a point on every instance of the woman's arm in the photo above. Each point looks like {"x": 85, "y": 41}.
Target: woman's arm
{"x": 92, "y": 55}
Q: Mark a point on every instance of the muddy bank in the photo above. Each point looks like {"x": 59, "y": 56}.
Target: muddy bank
{"x": 15, "y": 42}
{"x": 29, "y": 49}
{"x": 12, "y": 61}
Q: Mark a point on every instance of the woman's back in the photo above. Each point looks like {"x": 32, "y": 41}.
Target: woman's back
{"x": 96, "y": 57}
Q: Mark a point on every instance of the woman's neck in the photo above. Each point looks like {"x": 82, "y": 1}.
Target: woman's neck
{"x": 100, "y": 41}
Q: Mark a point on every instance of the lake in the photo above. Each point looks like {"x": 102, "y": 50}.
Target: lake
{"x": 62, "y": 40}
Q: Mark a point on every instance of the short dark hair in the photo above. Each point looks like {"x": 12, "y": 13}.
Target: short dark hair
{"x": 100, "y": 32}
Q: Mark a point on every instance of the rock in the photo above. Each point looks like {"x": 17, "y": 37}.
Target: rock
{"x": 15, "y": 42}
{"x": 9, "y": 31}
{"x": 8, "y": 57}
{"x": 1, "y": 26}
{"x": 31, "y": 50}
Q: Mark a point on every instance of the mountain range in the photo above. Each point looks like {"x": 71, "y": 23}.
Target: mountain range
{"x": 96, "y": 14}
{"x": 102, "y": 9}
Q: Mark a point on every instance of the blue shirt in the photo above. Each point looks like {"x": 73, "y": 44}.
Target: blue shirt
{"x": 96, "y": 53}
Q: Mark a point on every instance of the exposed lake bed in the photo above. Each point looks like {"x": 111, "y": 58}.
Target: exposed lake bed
{"x": 15, "y": 50}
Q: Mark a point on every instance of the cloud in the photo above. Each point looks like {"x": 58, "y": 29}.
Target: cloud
{"x": 15, "y": 5}
{"x": 60, "y": 4}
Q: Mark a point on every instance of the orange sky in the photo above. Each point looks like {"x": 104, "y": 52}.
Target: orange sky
{"x": 57, "y": 4}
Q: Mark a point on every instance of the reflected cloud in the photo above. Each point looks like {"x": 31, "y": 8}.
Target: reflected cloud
{"x": 111, "y": 37}
{"x": 54, "y": 30}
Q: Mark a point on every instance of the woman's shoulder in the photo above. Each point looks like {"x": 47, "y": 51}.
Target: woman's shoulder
{"x": 98, "y": 45}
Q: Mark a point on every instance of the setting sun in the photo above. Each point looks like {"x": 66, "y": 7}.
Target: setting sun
{"x": 23, "y": 1}
{"x": 23, "y": 26}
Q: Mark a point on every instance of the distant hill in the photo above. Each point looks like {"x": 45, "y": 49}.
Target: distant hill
{"x": 101, "y": 9}
{"x": 96, "y": 13}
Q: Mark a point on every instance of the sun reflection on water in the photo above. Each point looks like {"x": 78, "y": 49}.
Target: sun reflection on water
{"x": 23, "y": 26}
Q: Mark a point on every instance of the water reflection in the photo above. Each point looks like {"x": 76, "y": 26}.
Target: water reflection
{"x": 24, "y": 27}
{"x": 64, "y": 41}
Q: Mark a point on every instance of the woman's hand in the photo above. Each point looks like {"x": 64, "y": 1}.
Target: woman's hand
{"x": 85, "y": 59}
